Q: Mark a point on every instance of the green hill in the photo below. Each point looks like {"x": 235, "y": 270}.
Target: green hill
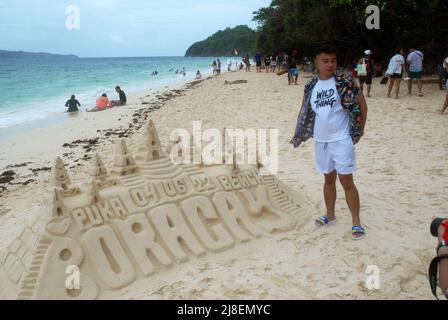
{"x": 23, "y": 54}
{"x": 224, "y": 43}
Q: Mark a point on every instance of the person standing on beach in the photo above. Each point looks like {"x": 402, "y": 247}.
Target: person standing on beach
{"x": 247, "y": 62}
{"x": 443, "y": 74}
{"x": 122, "y": 97}
{"x": 293, "y": 72}
{"x": 445, "y": 105}
{"x": 257, "y": 59}
{"x": 415, "y": 60}
{"x": 334, "y": 113}
{"x": 218, "y": 70}
{"x": 395, "y": 72}
{"x": 367, "y": 78}
{"x": 72, "y": 104}
{"x": 102, "y": 103}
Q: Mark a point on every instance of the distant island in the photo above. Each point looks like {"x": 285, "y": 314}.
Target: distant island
{"x": 225, "y": 42}
{"x": 23, "y": 54}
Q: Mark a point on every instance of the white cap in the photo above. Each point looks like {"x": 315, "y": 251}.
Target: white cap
{"x": 367, "y": 52}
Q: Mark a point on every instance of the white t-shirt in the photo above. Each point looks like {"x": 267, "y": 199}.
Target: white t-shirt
{"x": 415, "y": 59}
{"x": 395, "y": 64}
{"x": 332, "y": 121}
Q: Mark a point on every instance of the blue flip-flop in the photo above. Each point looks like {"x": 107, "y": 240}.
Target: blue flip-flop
{"x": 324, "y": 221}
{"x": 359, "y": 231}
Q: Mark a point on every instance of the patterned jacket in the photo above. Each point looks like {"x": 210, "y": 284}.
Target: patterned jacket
{"x": 348, "y": 91}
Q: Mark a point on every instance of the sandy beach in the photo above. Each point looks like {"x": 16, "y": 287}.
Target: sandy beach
{"x": 402, "y": 179}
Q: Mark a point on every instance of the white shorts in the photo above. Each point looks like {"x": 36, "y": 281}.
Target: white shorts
{"x": 339, "y": 156}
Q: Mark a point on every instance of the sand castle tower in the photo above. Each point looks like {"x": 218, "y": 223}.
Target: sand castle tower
{"x": 61, "y": 178}
{"x": 99, "y": 174}
{"x": 98, "y": 170}
{"x": 150, "y": 147}
{"x": 124, "y": 163}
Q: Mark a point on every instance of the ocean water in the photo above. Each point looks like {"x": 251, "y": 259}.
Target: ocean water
{"x": 36, "y": 89}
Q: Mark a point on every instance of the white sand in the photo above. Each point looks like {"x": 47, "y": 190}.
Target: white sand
{"x": 402, "y": 180}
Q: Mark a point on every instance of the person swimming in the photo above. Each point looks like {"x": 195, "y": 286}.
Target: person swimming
{"x": 72, "y": 104}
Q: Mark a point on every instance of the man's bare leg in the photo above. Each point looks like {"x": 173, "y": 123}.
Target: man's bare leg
{"x": 445, "y": 105}
{"x": 330, "y": 194}
{"x": 419, "y": 84}
{"x": 352, "y": 197}
{"x": 397, "y": 88}
{"x": 410, "y": 86}
{"x": 391, "y": 85}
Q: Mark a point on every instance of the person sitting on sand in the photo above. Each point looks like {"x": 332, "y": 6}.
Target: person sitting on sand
{"x": 334, "y": 113}
{"x": 122, "y": 97}
{"x": 72, "y": 104}
{"x": 198, "y": 75}
{"x": 102, "y": 103}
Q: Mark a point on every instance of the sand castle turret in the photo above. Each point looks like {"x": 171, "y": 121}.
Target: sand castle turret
{"x": 95, "y": 193}
{"x": 59, "y": 209}
{"x": 60, "y": 176}
{"x": 124, "y": 163}
{"x": 150, "y": 147}
{"x": 98, "y": 170}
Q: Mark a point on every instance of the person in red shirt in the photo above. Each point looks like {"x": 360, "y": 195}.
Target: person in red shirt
{"x": 102, "y": 103}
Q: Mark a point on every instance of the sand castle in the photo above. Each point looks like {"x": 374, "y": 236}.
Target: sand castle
{"x": 141, "y": 217}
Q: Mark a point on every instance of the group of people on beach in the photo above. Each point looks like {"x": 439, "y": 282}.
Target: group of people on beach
{"x": 365, "y": 69}
{"x": 102, "y": 102}
{"x": 281, "y": 63}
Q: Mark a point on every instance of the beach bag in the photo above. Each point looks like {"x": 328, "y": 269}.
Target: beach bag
{"x": 361, "y": 68}
{"x": 384, "y": 80}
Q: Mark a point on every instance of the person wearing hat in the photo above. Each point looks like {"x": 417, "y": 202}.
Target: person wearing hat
{"x": 367, "y": 78}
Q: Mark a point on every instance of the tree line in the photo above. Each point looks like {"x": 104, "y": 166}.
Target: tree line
{"x": 305, "y": 24}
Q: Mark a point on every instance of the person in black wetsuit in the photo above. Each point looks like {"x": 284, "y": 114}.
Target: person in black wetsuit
{"x": 72, "y": 104}
{"x": 122, "y": 100}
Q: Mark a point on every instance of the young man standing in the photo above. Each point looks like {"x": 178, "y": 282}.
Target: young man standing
{"x": 334, "y": 112}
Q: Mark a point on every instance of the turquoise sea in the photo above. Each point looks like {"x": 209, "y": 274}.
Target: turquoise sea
{"x": 36, "y": 88}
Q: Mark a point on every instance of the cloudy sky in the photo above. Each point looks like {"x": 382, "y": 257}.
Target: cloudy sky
{"x": 110, "y": 28}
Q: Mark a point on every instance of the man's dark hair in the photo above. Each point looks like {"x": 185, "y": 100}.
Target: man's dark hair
{"x": 325, "y": 49}
{"x": 73, "y": 96}
{"x": 104, "y": 95}
{"x": 117, "y": 88}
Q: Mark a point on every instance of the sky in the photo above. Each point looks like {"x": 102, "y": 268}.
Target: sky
{"x": 112, "y": 28}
